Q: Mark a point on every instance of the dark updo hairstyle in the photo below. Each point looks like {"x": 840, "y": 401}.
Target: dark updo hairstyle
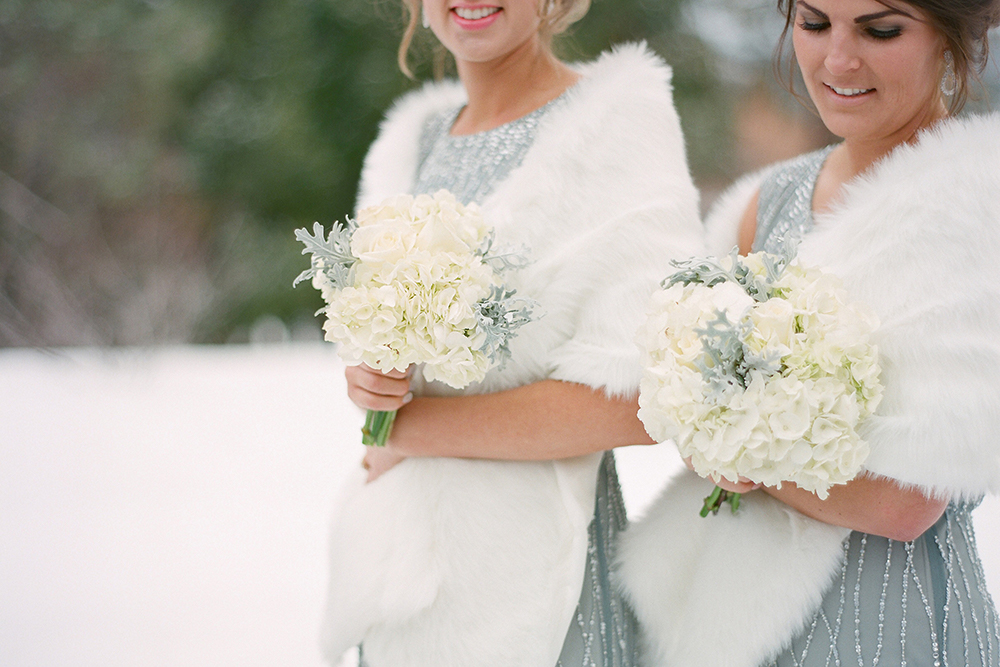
{"x": 556, "y": 15}
{"x": 964, "y": 24}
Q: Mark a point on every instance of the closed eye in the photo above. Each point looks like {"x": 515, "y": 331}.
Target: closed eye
{"x": 814, "y": 26}
{"x": 886, "y": 33}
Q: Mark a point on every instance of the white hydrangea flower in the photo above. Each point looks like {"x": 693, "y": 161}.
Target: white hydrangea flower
{"x": 799, "y": 373}
{"x": 419, "y": 270}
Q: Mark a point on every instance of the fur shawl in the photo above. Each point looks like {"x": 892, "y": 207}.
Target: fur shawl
{"x": 479, "y": 563}
{"x": 917, "y": 238}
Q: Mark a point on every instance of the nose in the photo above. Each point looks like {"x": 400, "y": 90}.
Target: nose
{"x": 842, "y": 57}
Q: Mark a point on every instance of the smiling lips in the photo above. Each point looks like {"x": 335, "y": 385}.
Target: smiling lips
{"x": 475, "y": 14}
{"x": 475, "y": 17}
{"x": 849, "y": 92}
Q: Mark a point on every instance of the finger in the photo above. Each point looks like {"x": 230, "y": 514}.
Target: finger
{"x": 376, "y": 382}
{"x": 371, "y": 401}
{"x": 737, "y": 487}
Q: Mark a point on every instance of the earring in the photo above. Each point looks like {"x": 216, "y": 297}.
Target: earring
{"x": 548, "y": 8}
{"x": 423, "y": 11}
{"x": 949, "y": 82}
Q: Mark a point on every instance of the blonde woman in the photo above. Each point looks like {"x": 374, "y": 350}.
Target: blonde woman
{"x": 483, "y": 533}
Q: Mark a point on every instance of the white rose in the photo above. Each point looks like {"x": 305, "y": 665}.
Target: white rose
{"x": 383, "y": 242}
{"x": 391, "y": 209}
{"x": 774, "y": 324}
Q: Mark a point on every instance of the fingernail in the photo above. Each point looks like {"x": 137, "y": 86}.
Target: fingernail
{"x": 408, "y": 398}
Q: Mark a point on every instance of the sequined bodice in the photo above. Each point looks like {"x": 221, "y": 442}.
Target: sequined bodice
{"x": 784, "y": 209}
{"x": 471, "y": 165}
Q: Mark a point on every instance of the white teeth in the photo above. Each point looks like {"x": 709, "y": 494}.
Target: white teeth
{"x": 849, "y": 92}
{"x": 476, "y": 14}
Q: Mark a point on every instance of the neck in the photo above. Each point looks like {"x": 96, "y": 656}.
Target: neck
{"x": 509, "y": 87}
{"x": 860, "y": 154}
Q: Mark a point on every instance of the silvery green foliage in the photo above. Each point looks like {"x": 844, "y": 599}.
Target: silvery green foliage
{"x": 729, "y": 361}
{"x": 711, "y": 272}
{"x": 331, "y": 255}
{"x": 504, "y": 259}
{"x": 499, "y": 316}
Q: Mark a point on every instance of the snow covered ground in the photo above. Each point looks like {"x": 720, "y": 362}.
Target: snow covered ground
{"x": 168, "y": 507}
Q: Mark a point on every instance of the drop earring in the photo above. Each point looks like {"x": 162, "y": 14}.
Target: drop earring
{"x": 423, "y": 12}
{"x": 949, "y": 82}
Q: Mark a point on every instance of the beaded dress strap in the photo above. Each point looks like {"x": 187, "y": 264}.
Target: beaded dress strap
{"x": 784, "y": 209}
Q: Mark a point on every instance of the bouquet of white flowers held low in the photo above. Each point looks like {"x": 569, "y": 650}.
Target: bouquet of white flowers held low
{"x": 415, "y": 280}
{"x": 759, "y": 368}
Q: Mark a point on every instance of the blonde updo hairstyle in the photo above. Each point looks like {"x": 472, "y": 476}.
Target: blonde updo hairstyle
{"x": 556, "y": 16}
{"x": 964, "y": 25}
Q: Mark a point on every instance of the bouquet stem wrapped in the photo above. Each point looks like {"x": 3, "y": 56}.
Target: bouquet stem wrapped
{"x": 761, "y": 369}
{"x": 378, "y": 426}
{"x": 416, "y": 280}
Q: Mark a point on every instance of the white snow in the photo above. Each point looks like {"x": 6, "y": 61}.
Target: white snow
{"x": 168, "y": 506}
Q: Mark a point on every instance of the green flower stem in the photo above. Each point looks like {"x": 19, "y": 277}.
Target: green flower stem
{"x": 377, "y": 426}
{"x": 717, "y": 498}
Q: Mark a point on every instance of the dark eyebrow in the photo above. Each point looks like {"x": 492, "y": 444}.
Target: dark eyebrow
{"x": 861, "y": 19}
{"x": 878, "y": 15}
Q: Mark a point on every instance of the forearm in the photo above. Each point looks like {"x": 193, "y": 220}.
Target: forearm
{"x": 540, "y": 421}
{"x": 871, "y": 505}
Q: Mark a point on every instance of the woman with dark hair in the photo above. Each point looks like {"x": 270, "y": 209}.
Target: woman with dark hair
{"x": 483, "y": 533}
{"x": 906, "y": 210}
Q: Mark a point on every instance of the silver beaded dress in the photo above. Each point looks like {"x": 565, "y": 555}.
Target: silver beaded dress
{"x": 603, "y": 630}
{"x": 893, "y": 603}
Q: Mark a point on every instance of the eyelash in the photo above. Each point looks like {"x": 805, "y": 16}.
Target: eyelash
{"x": 813, "y": 27}
{"x": 884, "y": 34}
{"x": 874, "y": 33}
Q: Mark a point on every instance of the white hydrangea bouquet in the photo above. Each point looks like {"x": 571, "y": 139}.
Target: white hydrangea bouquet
{"x": 415, "y": 280}
{"x": 759, "y": 368}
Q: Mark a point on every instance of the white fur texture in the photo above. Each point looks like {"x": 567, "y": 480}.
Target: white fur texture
{"x": 718, "y": 590}
{"x": 723, "y": 219}
{"x": 918, "y": 240}
{"x": 480, "y": 563}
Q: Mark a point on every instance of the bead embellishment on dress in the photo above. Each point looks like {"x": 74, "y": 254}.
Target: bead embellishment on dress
{"x": 471, "y": 165}
{"x": 957, "y": 619}
{"x": 602, "y": 644}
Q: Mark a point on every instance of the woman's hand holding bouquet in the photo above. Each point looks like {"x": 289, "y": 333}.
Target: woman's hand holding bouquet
{"x": 416, "y": 280}
{"x": 759, "y": 369}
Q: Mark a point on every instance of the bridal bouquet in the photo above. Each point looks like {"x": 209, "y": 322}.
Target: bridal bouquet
{"x": 415, "y": 280}
{"x": 759, "y": 368}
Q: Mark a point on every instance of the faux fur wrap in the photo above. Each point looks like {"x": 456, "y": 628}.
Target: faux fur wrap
{"x": 480, "y": 563}
{"x": 917, "y": 238}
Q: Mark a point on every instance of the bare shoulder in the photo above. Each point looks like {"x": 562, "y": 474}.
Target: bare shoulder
{"x": 748, "y": 225}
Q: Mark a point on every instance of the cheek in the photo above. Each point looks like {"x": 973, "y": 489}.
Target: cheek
{"x": 808, "y": 53}
{"x": 916, "y": 75}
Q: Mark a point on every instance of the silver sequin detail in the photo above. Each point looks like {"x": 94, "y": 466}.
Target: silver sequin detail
{"x": 471, "y": 165}
{"x": 784, "y": 209}
{"x": 954, "y": 623}
{"x": 604, "y": 630}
